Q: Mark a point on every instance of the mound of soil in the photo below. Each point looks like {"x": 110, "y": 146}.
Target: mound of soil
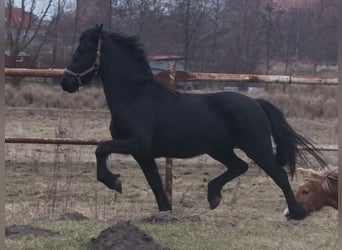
{"x": 124, "y": 236}
{"x": 21, "y": 230}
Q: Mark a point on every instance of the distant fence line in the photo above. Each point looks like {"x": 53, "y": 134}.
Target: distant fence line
{"x": 74, "y": 141}
{"x": 182, "y": 76}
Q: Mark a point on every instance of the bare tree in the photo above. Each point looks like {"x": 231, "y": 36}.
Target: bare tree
{"x": 21, "y": 36}
{"x": 245, "y": 36}
{"x": 89, "y": 13}
{"x": 235, "y": 36}
{"x": 191, "y": 16}
{"x": 321, "y": 11}
{"x": 310, "y": 33}
{"x": 24, "y": 31}
{"x": 59, "y": 12}
{"x": 271, "y": 17}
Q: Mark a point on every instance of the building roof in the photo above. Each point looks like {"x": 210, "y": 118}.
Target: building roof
{"x": 14, "y": 16}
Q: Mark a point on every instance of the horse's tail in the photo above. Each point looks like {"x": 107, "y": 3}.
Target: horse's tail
{"x": 287, "y": 140}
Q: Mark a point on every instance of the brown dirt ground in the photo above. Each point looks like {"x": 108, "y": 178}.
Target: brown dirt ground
{"x": 22, "y": 230}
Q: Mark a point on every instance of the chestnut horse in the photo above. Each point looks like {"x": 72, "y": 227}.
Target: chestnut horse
{"x": 319, "y": 189}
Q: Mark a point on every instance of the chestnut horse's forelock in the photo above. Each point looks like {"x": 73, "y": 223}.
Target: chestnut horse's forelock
{"x": 324, "y": 179}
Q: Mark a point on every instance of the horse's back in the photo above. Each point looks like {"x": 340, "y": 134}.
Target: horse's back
{"x": 200, "y": 123}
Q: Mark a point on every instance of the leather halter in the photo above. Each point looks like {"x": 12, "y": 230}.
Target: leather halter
{"x": 92, "y": 68}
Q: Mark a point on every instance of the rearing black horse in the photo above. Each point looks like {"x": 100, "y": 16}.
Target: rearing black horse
{"x": 150, "y": 121}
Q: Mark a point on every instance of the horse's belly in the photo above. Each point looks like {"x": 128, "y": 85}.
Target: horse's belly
{"x": 189, "y": 144}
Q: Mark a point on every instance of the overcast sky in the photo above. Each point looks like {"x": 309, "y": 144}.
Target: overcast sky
{"x": 41, "y": 6}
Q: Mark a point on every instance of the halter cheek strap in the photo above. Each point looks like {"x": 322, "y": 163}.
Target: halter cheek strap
{"x": 92, "y": 68}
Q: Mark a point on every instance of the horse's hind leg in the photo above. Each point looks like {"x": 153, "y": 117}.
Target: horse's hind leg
{"x": 235, "y": 166}
{"x": 267, "y": 162}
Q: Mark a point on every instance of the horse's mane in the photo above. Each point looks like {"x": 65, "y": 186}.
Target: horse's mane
{"x": 327, "y": 175}
{"x": 331, "y": 174}
{"x": 132, "y": 44}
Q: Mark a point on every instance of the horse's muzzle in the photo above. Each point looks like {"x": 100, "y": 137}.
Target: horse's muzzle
{"x": 69, "y": 84}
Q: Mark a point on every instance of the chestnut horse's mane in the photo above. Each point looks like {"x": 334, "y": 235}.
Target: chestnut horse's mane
{"x": 324, "y": 177}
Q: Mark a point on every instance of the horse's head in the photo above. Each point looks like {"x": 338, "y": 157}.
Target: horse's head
{"x": 310, "y": 193}
{"x": 85, "y": 61}
{"x": 318, "y": 189}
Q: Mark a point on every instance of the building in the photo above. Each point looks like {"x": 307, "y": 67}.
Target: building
{"x": 18, "y": 19}
{"x": 159, "y": 64}
{"x": 22, "y": 60}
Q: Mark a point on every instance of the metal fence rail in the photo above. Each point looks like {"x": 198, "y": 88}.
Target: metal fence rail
{"x": 75, "y": 141}
{"x": 182, "y": 76}
{"x": 65, "y": 141}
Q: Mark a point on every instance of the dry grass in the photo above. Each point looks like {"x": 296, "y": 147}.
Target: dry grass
{"x": 296, "y": 101}
{"x": 48, "y": 96}
{"x": 305, "y": 101}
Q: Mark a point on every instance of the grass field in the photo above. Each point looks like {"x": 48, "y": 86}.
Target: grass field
{"x": 46, "y": 181}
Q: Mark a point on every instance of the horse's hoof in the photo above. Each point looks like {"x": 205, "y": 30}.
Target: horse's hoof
{"x": 117, "y": 186}
{"x": 113, "y": 183}
{"x": 298, "y": 214}
{"x": 294, "y": 217}
{"x": 213, "y": 203}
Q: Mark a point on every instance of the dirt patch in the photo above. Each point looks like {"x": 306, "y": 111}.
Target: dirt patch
{"x": 123, "y": 236}
{"x": 75, "y": 216}
{"x": 22, "y": 230}
{"x": 69, "y": 216}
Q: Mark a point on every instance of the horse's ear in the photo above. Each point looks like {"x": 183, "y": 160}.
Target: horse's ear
{"x": 99, "y": 27}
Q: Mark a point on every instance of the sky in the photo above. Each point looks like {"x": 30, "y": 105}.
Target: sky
{"x": 41, "y": 6}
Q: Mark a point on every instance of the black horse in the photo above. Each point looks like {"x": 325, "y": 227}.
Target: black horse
{"x": 149, "y": 121}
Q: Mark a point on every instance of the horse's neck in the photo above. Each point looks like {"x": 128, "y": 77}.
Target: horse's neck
{"x": 120, "y": 91}
{"x": 123, "y": 82}
{"x": 118, "y": 83}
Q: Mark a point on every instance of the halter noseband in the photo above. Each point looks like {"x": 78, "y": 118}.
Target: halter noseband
{"x": 92, "y": 68}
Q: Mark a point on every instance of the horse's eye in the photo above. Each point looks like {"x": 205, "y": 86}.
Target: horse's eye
{"x": 305, "y": 192}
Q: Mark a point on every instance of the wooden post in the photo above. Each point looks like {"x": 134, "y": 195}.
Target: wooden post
{"x": 168, "y": 161}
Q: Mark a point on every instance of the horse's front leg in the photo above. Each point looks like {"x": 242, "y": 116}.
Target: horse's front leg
{"x": 150, "y": 170}
{"x": 123, "y": 146}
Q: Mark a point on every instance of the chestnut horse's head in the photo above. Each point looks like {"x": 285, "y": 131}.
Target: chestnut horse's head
{"x": 319, "y": 189}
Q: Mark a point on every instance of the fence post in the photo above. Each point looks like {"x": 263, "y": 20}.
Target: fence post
{"x": 168, "y": 161}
